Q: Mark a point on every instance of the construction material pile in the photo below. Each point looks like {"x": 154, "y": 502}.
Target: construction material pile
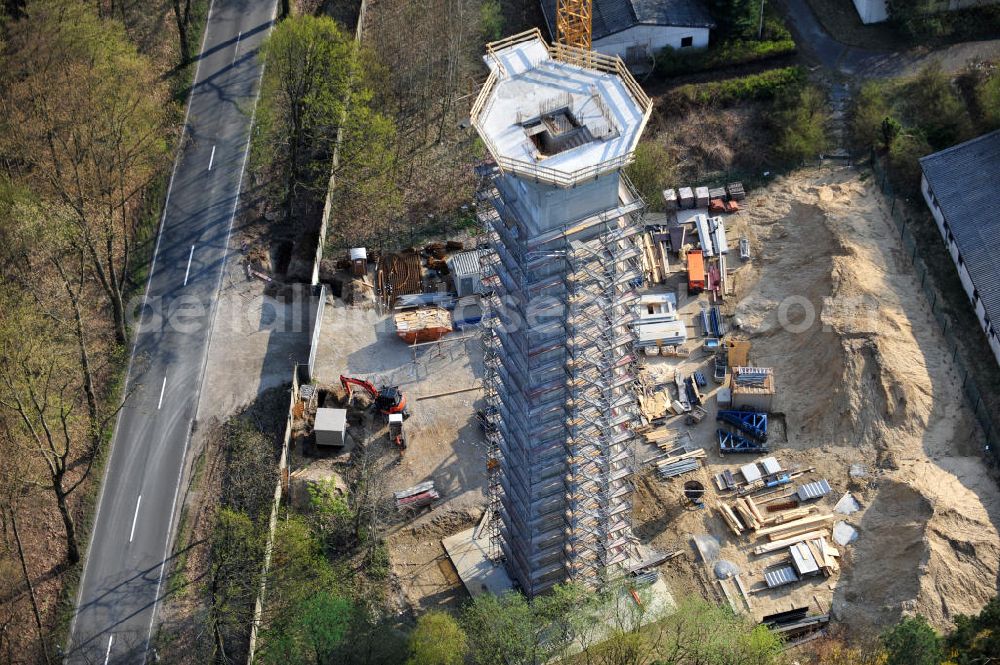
{"x": 416, "y": 497}
{"x": 424, "y": 324}
{"x": 871, "y": 382}
{"x": 752, "y": 376}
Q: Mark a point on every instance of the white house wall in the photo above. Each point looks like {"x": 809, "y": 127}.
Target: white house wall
{"x": 992, "y": 334}
{"x": 653, "y": 37}
{"x": 871, "y": 11}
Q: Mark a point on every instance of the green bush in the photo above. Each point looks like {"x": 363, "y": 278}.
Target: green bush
{"x": 930, "y": 103}
{"x": 652, "y": 171}
{"x": 975, "y": 639}
{"x": 912, "y": 642}
{"x": 988, "y": 99}
{"x": 870, "y": 107}
{"x": 491, "y": 20}
{"x": 904, "y": 155}
{"x": 766, "y": 85}
{"x": 437, "y": 640}
{"x": 672, "y": 62}
{"x": 801, "y": 124}
{"x": 735, "y": 19}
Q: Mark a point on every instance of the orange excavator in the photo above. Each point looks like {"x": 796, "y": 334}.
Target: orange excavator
{"x": 387, "y": 399}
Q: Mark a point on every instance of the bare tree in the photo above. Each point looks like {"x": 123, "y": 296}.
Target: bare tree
{"x": 88, "y": 120}
{"x": 40, "y": 388}
{"x": 183, "y": 19}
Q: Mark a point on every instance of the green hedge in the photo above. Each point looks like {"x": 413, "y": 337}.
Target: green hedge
{"x": 671, "y": 62}
{"x": 765, "y": 85}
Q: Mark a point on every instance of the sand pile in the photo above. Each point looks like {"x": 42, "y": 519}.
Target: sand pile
{"x": 832, "y": 304}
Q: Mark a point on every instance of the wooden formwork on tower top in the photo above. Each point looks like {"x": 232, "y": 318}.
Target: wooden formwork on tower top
{"x": 573, "y": 23}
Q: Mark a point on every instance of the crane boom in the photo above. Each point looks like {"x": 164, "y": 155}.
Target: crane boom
{"x": 574, "y": 23}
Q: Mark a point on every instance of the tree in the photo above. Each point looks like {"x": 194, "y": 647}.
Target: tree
{"x": 904, "y": 155}
{"x": 509, "y": 629}
{"x": 988, "y": 98}
{"x": 501, "y": 630}
{"x": 183, "y": 18}
{"x": 698, "y": 631}
{"x": 491, "y": 20}
{"x": 912, "y": 642}
{"x": 802, "y": 125}
{"x": 38, "y": 399}
{"x": 736, "y": 19}
{"x": 237, "y": 549}
{"x": 975, "y": 639}
{"x": 930, "y": 103}
{"x": 438, "y": 639}
{"x": 13, "y": 490}
{"x": 86, "y": 124}
{"x": 251, "y": 472}
{"x": 310, "y": 64}
{"x": 367, "y": 198}
{"x": 870, "y": 107}
{"x": 652, "y": 171}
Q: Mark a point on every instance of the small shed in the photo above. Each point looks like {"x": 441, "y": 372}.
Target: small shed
{"x": 359, "y": 261}
{"x": 330, "y": 427}
{"x": 753, "y": 388}
{"x": 465, "y": 271}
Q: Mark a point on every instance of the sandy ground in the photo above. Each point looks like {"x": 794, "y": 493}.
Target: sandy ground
{"x": 830, "y": 302}
{"x": 445, "y": 442}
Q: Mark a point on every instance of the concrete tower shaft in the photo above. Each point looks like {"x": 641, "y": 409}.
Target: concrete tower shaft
{"x": 559, "y": 218}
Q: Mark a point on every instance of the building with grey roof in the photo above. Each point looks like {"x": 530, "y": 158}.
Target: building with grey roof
{"x": 635, "y": 30}
{"x": 961, "y": 186}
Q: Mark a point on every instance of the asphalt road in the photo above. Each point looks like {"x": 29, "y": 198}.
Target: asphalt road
{"x": 123, "y": 579}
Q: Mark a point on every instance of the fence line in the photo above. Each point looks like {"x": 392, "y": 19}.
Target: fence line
{"x": 335, "y": 159}
{"x": 279, "y": 487}
{"x": 969, "y": 387}
{"x": 283, "y": 461}
{"x": 317, "y": 329}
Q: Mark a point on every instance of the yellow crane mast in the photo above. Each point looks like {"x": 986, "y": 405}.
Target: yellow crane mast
{"x": 573, "y": 22}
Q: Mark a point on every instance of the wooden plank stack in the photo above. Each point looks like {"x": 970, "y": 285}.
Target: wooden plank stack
{"x": 655, "y": 256}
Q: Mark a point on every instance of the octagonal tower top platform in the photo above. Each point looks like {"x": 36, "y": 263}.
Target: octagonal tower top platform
{"x": 558, "y": 114}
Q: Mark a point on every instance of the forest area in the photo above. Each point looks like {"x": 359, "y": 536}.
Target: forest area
{"x": 91, "y": 102}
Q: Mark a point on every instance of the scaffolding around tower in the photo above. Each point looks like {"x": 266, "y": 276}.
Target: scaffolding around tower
{"x": 560, "y": 272}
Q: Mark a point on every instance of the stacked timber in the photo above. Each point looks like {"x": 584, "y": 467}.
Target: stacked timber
{"x": 424, "y": 324}
{"x": 795, "y": 527}
{"x": 655, "y": 256}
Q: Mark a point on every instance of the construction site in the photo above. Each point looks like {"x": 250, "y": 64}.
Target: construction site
{"x": 743, "y": 398}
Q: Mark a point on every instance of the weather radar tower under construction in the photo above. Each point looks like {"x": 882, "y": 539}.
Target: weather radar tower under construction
{"x": 562, "y": 266}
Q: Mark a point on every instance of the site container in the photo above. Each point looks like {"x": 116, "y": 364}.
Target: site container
{"x": 696, "y": 271}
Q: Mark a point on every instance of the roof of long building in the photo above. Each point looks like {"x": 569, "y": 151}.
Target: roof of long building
{"x": 965, "y": 180}
{"x": 611, "y": 16}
